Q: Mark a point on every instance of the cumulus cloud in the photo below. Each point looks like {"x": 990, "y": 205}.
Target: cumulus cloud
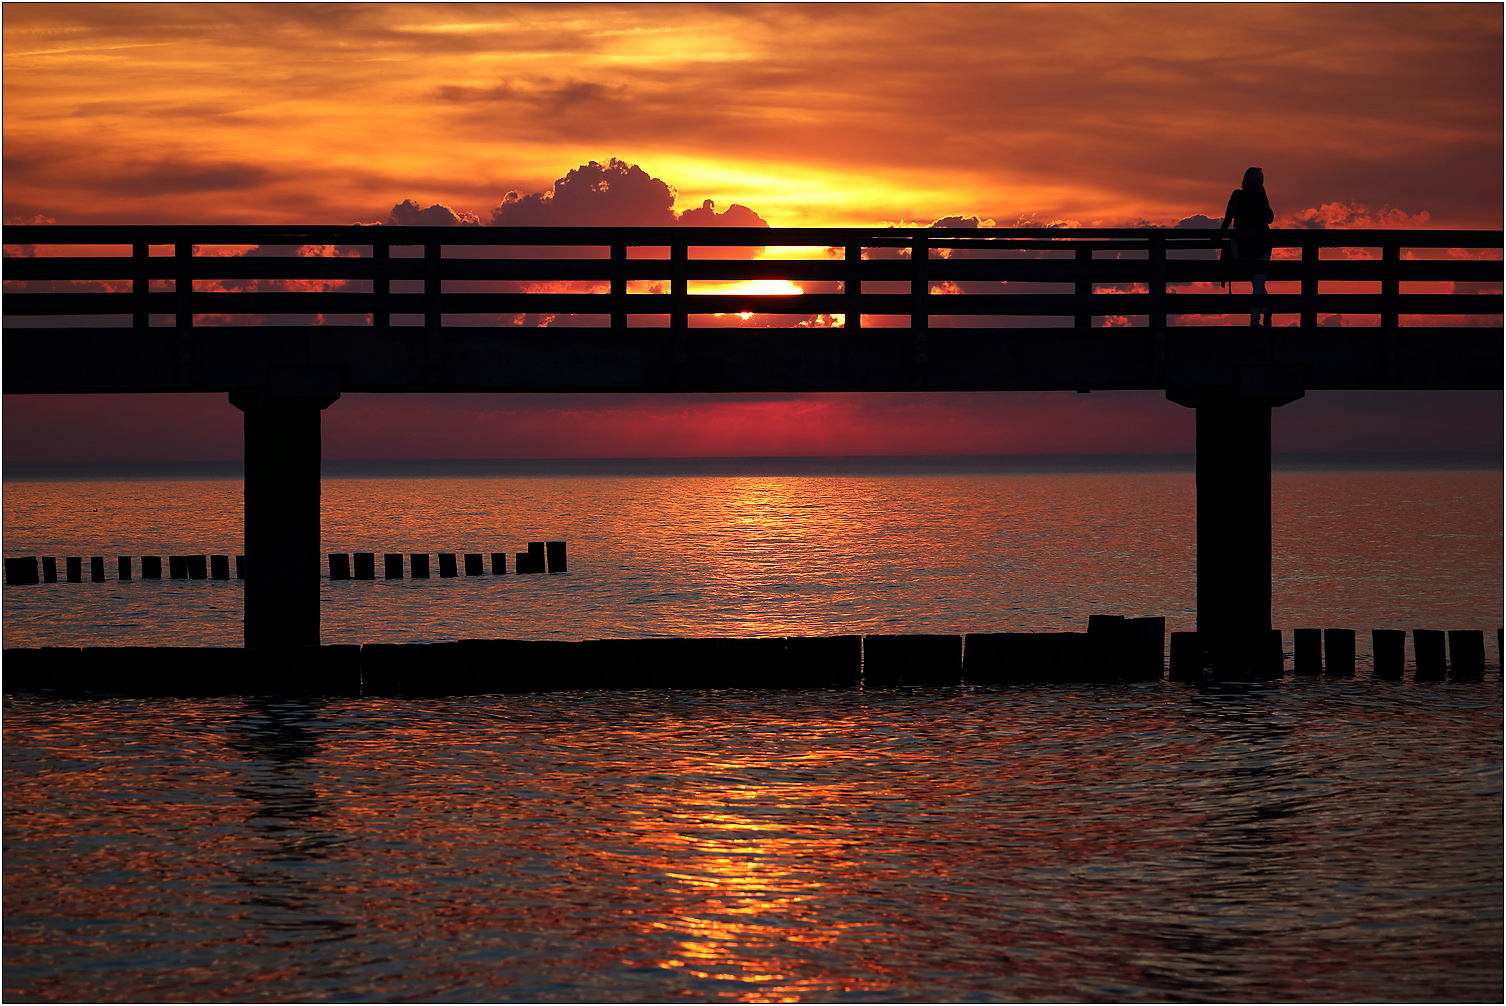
{"x": 952, "y": 222}
{"x": 409, "y": 213}
{"x": 1030, "y": 220}
{"x": 735, "y": 215}
{"x": 971, "y": 223}
{"x": 614, "y": 194}
{"x": 1354, "y": 215}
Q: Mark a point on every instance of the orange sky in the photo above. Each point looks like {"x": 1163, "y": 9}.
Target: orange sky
{"x": 1361, "y": 114}
{"x": 824, "y": 114}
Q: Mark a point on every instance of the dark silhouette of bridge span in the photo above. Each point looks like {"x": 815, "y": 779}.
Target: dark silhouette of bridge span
{"x": 239, "y": 309}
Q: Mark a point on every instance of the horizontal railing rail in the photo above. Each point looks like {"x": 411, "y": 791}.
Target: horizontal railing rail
{"x": 429, "y": 277}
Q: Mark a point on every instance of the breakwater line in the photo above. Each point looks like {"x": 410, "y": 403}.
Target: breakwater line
{"x": 541, "y": 557}
{"x": 1113, "y": 650}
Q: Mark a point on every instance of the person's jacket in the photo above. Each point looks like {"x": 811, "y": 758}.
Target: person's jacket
{"x": 1250, "y": 211}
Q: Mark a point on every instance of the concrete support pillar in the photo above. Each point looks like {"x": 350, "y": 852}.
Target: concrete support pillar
{"x": 1233, "y": 530}
{"x": 1233, "y": 526}
{"x": 283, "y": 561}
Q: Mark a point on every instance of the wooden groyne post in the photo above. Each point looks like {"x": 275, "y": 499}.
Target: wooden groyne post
{"x": 1388, "y": 649}
{"x": 22, "y": 569}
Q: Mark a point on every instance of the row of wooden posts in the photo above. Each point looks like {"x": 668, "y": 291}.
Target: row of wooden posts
{"x": 1112, "y": 650}
{"x": 541, "y": 557}
{"x": 1458, "y": 653}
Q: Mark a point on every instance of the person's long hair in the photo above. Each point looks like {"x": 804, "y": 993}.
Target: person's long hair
{"x": 1254, "y": 179}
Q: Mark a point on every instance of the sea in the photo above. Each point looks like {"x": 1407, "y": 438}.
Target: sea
{"x": 1303, "y": 839}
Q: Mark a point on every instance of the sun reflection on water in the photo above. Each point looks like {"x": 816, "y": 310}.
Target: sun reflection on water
{"x": 1042, "y": 844}
{"x": 751, "y": 892}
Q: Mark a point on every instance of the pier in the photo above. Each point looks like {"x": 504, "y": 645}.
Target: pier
{"x": 285, "y": 320}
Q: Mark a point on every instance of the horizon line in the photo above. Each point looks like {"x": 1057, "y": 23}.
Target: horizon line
{"x": 766, "y": 457}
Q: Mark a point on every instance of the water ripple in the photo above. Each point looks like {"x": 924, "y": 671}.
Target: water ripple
{"x": 1312, "y": 841}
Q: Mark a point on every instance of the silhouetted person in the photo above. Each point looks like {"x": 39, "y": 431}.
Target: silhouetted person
{"x": 1250, "y": 212}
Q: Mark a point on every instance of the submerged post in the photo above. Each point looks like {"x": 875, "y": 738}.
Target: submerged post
{"x": 282, "y": 450}
{"x": 1234, "y": 516}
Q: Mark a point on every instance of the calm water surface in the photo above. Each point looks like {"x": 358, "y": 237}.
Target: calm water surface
{"x": 1308, "y": 841}
{"x": 782, "y": 548}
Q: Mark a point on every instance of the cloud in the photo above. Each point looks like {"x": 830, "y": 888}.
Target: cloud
{"x": 409, "y": 213}
{"x": 545, "y": 97}
{"x": 171, "y": 178}
{"x": 1024, "y": 111}
{"x": 1354, "y": 215}
{"x": 614, "y": 194}
{"x": 706, "y": 215}
{"x": 970, "y": 223}
{"x": 596, "y": 194}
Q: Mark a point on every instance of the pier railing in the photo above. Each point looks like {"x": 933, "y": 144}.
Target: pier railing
{"x": 686, "y": 277}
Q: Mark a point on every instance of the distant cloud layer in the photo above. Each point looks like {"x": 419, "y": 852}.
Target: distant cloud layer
{"x": 812, "y": 114}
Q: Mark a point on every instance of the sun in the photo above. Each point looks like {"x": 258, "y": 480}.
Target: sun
{"x": 756, "y": 287}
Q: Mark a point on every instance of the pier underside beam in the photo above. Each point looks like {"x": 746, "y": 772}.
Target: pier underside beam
{"x": 1233, "y": 526}
{"x": 282, "y": 453}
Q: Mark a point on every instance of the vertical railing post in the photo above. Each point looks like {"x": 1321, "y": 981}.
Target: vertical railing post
{"x": 1157, "y": 289}
{"x": 679, "y": 294}
{"x": 183, "y": 284}
{"x": 433, "y": 313}
{"x": 1310, "y": 283}
{"x": 183, "y": 306}
{"x": 141, "y": 284}
{"x": 619, "y": 284}
{"x": 920, "y": 290}
{"x": 1391, "y": 283}
{"x": 852, "y": 287}
{"x": 381, "y": 284}
{"x": 1084, "y": 287}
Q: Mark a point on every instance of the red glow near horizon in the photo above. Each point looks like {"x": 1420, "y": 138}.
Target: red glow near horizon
{"x": 84, "y": 428}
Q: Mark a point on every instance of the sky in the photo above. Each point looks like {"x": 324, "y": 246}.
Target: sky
{"x": 795, "y": 115}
